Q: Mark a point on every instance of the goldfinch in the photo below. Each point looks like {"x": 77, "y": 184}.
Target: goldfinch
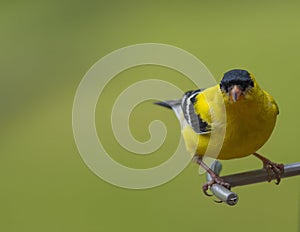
{"x": 238, "y": 105}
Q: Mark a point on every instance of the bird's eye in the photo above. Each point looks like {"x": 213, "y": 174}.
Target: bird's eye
{"x": 223, "y": 87}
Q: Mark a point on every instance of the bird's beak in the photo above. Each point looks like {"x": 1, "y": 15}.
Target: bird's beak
{"x": 235, "y": 93}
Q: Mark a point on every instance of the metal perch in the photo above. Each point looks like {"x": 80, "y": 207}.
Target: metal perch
{"x": 245, "y": 178}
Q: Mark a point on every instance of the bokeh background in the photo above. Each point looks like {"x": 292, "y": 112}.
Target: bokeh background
{"x": 47, "y": 47}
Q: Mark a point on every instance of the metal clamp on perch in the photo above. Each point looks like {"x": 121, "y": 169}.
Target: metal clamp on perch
{"x": 220, "y": 191}
{"x": 245, "y": 178}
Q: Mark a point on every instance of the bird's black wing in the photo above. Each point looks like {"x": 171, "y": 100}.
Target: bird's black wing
{"x": 193, "y": 119}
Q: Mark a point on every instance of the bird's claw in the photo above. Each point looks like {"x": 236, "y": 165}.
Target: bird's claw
{"x": 215, "y": 180}
{"x": 274, "y": 170}
{"x": 205, "y": 188}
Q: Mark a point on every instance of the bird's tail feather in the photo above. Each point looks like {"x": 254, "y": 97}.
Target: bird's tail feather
{"x": 174, "y": 105}
{"x": 169, "y": 104}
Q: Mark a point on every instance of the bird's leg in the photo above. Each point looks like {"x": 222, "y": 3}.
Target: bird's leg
{"x": 215, "y": 179}
{"x": 270, "y": 166}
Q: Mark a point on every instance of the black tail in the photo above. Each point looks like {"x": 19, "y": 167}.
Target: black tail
{"x": 169, "y": 104}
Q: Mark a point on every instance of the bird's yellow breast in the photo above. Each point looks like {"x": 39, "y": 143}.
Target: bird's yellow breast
{"x": 247, "y": 126}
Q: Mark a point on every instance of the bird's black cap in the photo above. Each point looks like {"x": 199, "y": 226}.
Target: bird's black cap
{"x": 236, "y": 77}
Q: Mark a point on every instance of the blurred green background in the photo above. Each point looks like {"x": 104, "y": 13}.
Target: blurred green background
{"x": 47, "y": 47}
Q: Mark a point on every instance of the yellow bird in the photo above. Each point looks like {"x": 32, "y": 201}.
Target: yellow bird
{"x": 237, "y": 115}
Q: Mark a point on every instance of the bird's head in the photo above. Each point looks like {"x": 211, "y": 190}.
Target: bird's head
{"x": 237, "y": 84}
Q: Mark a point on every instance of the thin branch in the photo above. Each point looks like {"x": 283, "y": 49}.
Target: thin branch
{"x": 245, "y": 178}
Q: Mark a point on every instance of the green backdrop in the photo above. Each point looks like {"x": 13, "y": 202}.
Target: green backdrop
{"x": 46, "y": 47}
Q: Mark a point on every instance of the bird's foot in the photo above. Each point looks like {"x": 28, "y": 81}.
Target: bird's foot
{"x": 274, "y": 170}
{"x": 215, "y": 179}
